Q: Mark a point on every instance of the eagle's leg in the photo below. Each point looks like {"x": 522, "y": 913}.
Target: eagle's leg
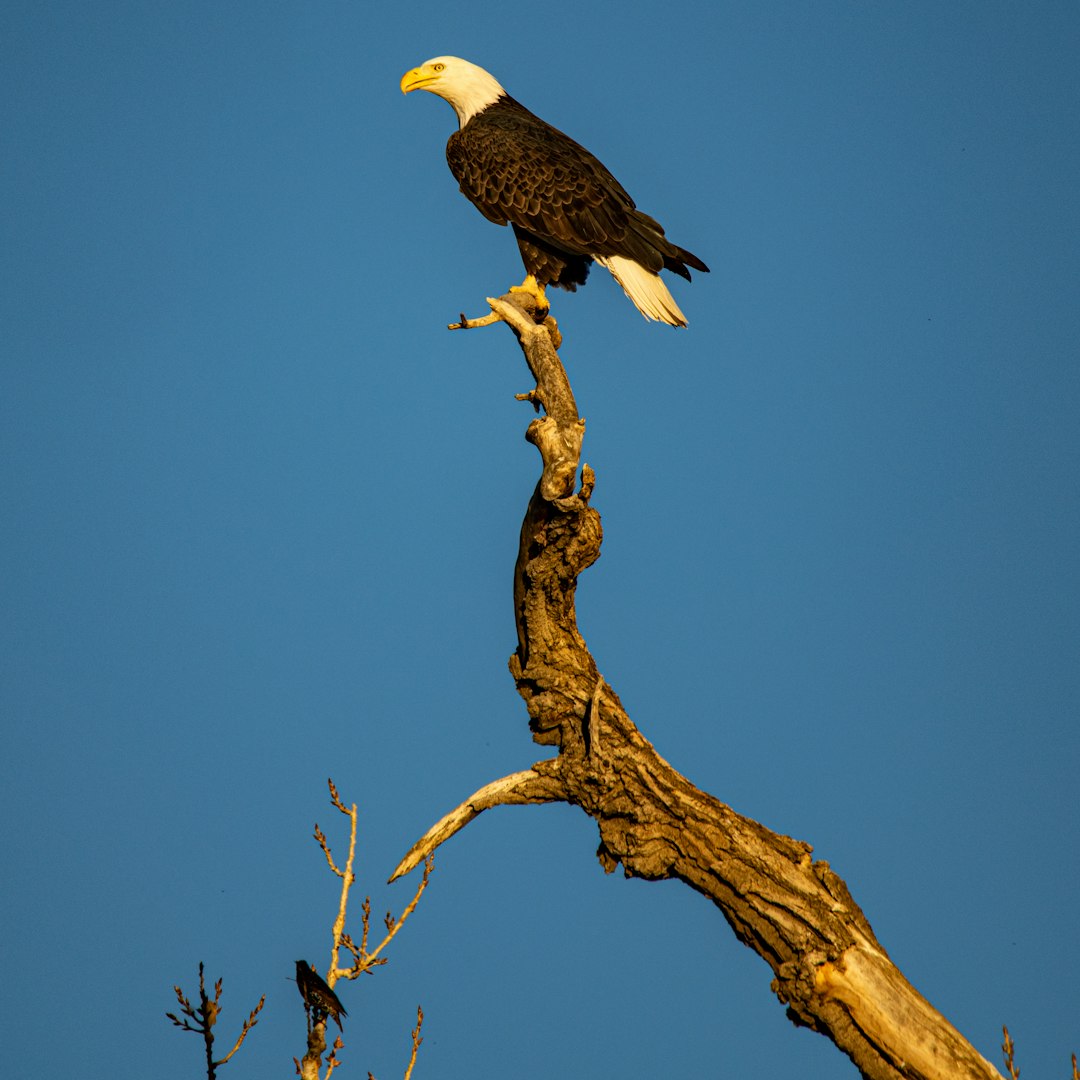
{"x": 531, "y": 287}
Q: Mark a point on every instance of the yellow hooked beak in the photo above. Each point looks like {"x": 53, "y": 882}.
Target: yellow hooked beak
{"x": 420, "y": 78}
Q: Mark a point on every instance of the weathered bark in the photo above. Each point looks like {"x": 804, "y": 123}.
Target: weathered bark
{"x": 829, "y": 968}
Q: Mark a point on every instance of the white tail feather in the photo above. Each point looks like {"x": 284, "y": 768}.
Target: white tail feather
{"x": 645, "y": 289}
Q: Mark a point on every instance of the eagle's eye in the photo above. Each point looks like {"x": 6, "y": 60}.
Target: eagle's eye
{"x": 439, "y": 67}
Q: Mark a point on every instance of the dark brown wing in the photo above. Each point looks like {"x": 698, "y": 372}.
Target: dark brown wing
{"x": 516, "y": 168}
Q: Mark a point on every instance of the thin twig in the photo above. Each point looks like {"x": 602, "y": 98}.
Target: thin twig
{"x": 347, "y": 880}
{"x": 1008, "y": 1048}
{"x": 471, "y": 324}
{"x": 333, "y": 1061}
{"x": 417, "y": 1040}
{"x": 249, "y": 1023}
{"x": 393, "y": 927}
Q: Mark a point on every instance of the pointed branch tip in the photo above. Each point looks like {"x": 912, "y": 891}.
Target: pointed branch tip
{"x": 518, "y": 789}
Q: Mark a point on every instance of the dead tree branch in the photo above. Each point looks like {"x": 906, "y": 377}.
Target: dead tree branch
{"x": 517, "y": 790}
{"x": 828, "y": 967}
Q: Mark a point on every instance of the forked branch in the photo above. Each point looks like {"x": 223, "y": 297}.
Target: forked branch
{"x": 202, "y": 1019}
{"x": 828, "y": 967}
{"x": 363, "y": 959}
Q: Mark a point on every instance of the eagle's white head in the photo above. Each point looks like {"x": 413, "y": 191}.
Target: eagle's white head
{"x": 470, "y": 89}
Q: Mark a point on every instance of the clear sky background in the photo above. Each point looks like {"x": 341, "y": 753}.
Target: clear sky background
{"x": 261, "y": 511}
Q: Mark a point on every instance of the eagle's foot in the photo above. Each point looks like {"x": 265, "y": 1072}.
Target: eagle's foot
{"x": 532, "y": 289}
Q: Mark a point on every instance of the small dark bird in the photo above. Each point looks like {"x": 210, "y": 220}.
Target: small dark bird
{"x": 318, "y": 997}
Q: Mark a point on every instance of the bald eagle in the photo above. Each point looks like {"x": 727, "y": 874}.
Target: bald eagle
{"x": 565, "y": 208}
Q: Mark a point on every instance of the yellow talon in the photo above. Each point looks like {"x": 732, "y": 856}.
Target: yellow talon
{"x": 531, "y": 287}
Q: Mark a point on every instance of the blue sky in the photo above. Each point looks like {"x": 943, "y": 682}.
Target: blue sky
{"x": 262, "y": 513}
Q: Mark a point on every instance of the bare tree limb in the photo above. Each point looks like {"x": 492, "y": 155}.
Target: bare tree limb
{"x": 517, "y": 790}
{"x": 828, "y": 967}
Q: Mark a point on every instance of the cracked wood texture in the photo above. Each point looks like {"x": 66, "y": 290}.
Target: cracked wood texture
{"x": 829, "y": 969}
